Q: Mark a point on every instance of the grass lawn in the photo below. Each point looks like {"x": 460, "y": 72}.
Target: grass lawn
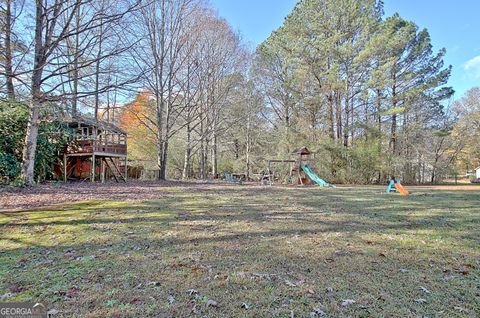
{"x": 249, "y": 251}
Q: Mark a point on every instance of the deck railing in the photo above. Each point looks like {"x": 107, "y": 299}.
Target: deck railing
{"x": 92, "y": 146}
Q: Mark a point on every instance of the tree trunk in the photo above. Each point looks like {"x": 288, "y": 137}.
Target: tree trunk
{"x": 8, "y": 51}
{"x": 379, "y": 110}
{"x": 330, "y": 116}
{"x": 352, "y": 119}
{"x": 203, "y": 174}
{"x": 347, "y": 120}
{"x": 31, "y": 135}
{"x": 30, "y": 147}
{"x": 75, "y": 66}
{"x": 159, "y": 123}
{"x": 97, "y": 69}
{"x": 203, "y": 155}
{"x": 163, "y": 165}
{"x": 247, "y": 151}
{"x": 393, "y": 134}
{"x": 338, "y": 115}
{"x": 186, "y": 158}
{"x": 204, "y": 160}
{"x": 214, "y": 154}
{"x": 393, "y": 130}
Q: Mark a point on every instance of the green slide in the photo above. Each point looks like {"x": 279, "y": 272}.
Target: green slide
{"x": 313, "y": 176}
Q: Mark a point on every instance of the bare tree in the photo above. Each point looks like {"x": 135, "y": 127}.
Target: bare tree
{"x": 53, "y": 21}
{"x": 8, "y": 19}
{"x": 223, "y": 58}
{"x": 165, "y": 28}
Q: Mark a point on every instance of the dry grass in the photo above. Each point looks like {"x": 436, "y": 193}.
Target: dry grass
{"x": 281, "y": 252}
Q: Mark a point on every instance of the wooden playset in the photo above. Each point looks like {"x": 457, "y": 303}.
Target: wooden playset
{"x": 299, "y": 168}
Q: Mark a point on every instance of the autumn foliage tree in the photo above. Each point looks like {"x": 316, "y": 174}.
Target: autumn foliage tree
{"x": 136, "y": 119}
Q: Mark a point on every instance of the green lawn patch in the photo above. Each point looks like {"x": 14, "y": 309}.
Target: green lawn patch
{"x": 248, "y": 251}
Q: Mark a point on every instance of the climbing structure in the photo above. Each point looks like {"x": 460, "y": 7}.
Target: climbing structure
{"x": 301, "y": 168}
{"x": 304, "y": 164}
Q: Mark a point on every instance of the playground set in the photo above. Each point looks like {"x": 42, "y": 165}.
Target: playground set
{"x": 396, "y": 186}
{"x": 300, "y": 169}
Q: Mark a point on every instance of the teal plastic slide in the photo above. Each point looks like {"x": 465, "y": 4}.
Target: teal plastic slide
{"x": 313, "y": 176}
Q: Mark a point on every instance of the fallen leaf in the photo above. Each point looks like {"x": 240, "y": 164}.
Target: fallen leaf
{"x": 212, "y": 303}
{"x": 317, "y": 312}
{"x": 460, "y": 309}
{"x": 289, "y": 283}
{"x": 72, "y": 292}
{"x": 192, "y": 292}
{"x": 195, "y": 309}
{"x": 424, "y": 289}
{"x": 52, "y": 312}
{"x": 7, "y": 295}
{"x": 330, "y": 292}
{"x": 16, "y": 289}
{"x": 421, "y": 300}
{"x": 347, "y": 302}
{"x": 136, "y": 301}
{"x": 246, "y": 305}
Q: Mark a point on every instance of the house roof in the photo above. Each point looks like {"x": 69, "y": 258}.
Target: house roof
{"x": 302, "y": 151}
{"x": 79, "y": 120}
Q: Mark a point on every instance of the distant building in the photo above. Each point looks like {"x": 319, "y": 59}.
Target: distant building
{"x": 477, "y": 172}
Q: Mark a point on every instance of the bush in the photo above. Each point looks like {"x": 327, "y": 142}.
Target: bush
{"x": 51, "y": 140}
{"x": 363, "y": 163}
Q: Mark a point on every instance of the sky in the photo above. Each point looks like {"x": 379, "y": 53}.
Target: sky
{"x": 453, "y": 24}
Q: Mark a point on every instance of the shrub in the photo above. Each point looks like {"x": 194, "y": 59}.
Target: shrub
{"x": 52, "y": 136}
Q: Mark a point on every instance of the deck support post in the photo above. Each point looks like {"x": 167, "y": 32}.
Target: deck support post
{"x": 92, "y": 178}
{"x": 102, "y": 167}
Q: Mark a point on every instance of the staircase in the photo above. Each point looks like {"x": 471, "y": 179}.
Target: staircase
{"x": 112, "y": 166}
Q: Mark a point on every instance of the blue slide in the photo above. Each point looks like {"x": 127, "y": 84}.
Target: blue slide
{"x": 313, "y": 176}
